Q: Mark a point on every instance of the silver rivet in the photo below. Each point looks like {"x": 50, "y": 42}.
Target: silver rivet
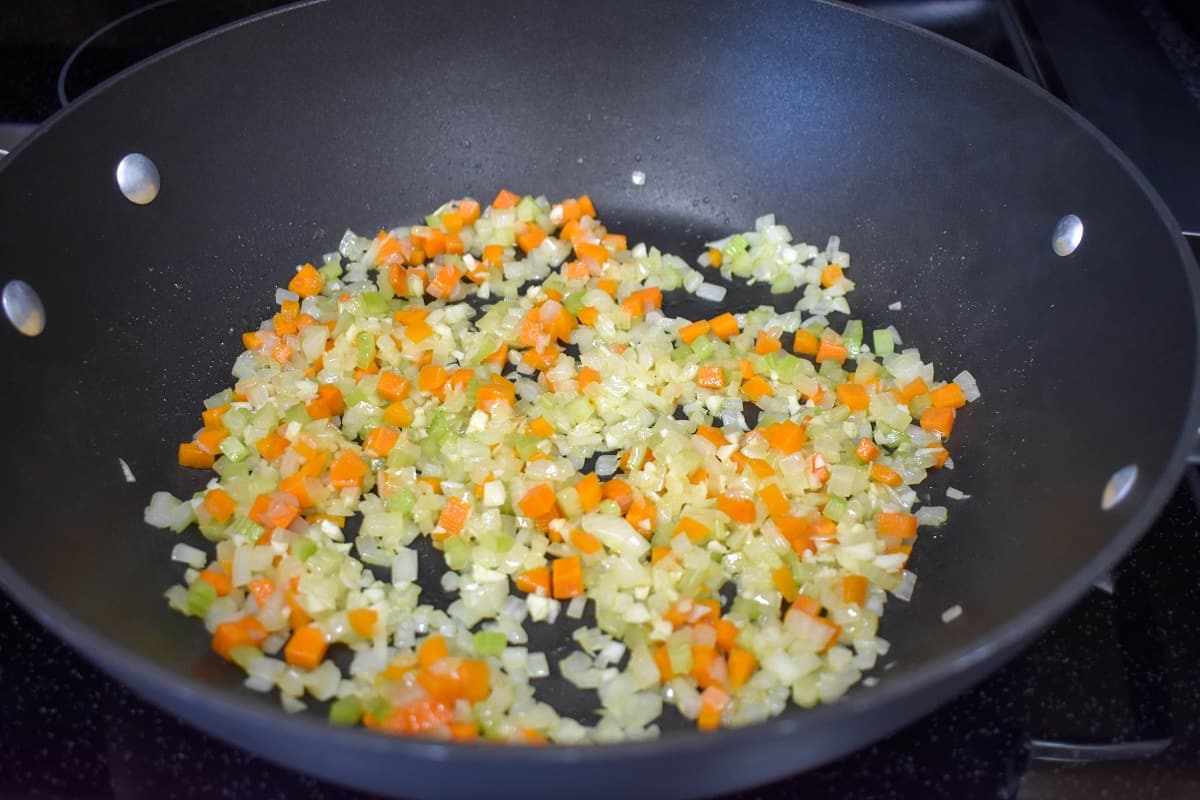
{"x": 1068, "y": 233}
{"x": 1119, "y": 486}
{"x": 24, "y": 308}
{"x": 137, "y": 177}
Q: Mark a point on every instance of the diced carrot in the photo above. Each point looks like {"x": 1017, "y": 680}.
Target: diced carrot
{"x": 261, "y": 589}
{"x": 493, "y": 256}
{"x": 713, "y": 701}
{"x": 708, "y": 667}
{"x": 380, "y": 441}
{"x": 540, "y": 427}
{"x": 866, "y": 449}
{"x": 853, "y": 396}
{"x": 585, "y": 542}
{"x": 787, "y": 437}
{"x": 576, "y": 271}
{"x": 220, "y": 504}
{"x": 217, "y": 580}
{"x": 333, "y": 398}
{"x": 445, "y": 282}
{"x": 212, "y": 416}
{"x": 641, "y": 301}
{"x": 822, "y": 528}
{"x": 658, "y": 553}
{"x": 531, "y": 237}
{"x": 831, "y": 275}
{"x": 244, "y": 632}
{"x": 693, "y": 528}
{"x": 915, "y": 388}
{"x": 710, "y": 376}
{"x": 727, "y": 633}
{"x": 505, "y": 199}
{"x": 464, "y": 731}
{"x": 194, "y": 456}
{"x": 694, "y": 330}
{"x": 434, "y": 484}
{"x": 773, "y": 498}
{"x": 590, "y": 491}
{"x": 432, "y": 380}
{"x": 538, "y": 501}
{"x": 586, "y": 377}
{"x": 829, "y": 350}
{"x": 948, "y": 396}
{"x": 499, "y": 356}
{"x": 608, "y": 286}
{"x": 469, "y": 209}
{"x": 296, "y": 485}
{"x": 532, "y": 580}
{"x": 785, "y": 582}
{"x": 712, "y": 434}
{"x": 939, "y": 420}
{"x": 392, "y": 386}
{"x": 619, "y": 492}
{"x": 585, "y": 206}
{"x": 363, "y": 620}
{"x": 615, "y": 241}
{"x": 542, "y": 359}
{"x": 474, "y": 680}
{"x": 307, "y": 281}
{"x": 209, "y": 439}
{"x": 306, "y": 649}
{"x": 854, "y": 589}
{"x": 723, "y": 327}
{"x": 454, "y": 516}
{"x": 347, "y": 470}
{"x": 886, "y": 475}
{"x": 941, "y": 456}
{"x": 741, "y": 667}
{"x": 738, "y": 509}
{"x": 662, "y": 659}
{"x": 641, "y": 515}
{"x": 592, "y": 252}
{"x": 896, "y": 523}
{"x": 566, "y": 577}
{"x": 756, "y": 389}
{"x": 766, "y": 343}
{"x": 431, "y": 651}
{"x": 497, "y": 391}
{"x": 397, "y": 414}
{"x": 805, "y": 343}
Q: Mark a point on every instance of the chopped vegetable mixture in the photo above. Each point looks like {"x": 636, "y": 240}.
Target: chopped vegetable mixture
{"x": 729, "y": 498}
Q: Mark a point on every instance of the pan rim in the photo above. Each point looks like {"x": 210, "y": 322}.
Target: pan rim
{"x": 180, "y": 693}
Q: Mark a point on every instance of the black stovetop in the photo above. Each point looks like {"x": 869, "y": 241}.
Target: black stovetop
{"x": 1105, "y": 704}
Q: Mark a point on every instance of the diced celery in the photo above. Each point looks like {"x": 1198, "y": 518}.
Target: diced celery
{"x": 433, "y": 220}
{"x": 852, "y": 337}
{"x": 400, "y": 457}
{"x": 458, "y": 553}
{"x": 737, "y": 245}
{"x": 703, "y": 347}
{"x": 525, "y": 445}
{"x": 835, "y": 509}
{"x": 228, "y": 468}
{"x": 331, "y": 270}
{"x": 297, "y": 413}
{"x": 303, "y": 548}
{"x": 887, "y": 436}
{"x": 221, "y": 398}
{"x": 680, "y": 655}
{"x": 377, "y": 707}
{"x": 573, "y": 302}
{"x": 245, "y": 529}
{"x": 364, "y": 345}
{"x": 490, "y": 643}
{"x": 882, "y": 342}
{"x": 353, "y": 398}
{"x": 373, "y": 304}
{"x": 831, "y": 371}
{"x": 200, "y": 596}
{"x": 235, "y": 420}
{"x": 345, "y": 711}
{"x": 527, "y": 209}
{"x": 401, "y": 501}
{"x": 233, "y": 448}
